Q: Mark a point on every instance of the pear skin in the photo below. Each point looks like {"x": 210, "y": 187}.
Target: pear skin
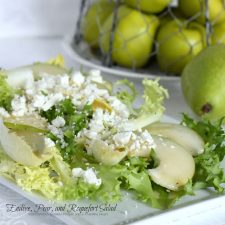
{"x": 149, "y": 6}
{"x": 203, "y": 82}
{"x": 93, "y": 20}
{"x": 133, "y": 38}
{"x": 178, "y": 43}
{"x": 197, "y": 10}
{"x": 218, "y": 33}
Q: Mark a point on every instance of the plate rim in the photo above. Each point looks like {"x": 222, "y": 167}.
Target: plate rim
{"x": 70, "y": 50}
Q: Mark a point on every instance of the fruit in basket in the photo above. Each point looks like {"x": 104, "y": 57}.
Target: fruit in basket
{"x": 152, "y": 6}
{"x": 178, "y": 43}
{"x": 133, "y": 38}
{"x": 197, "y": 9}
{"x": 93, "y": 20}
{"x": 203, "y": 81}
{"x": 218, "y": 33}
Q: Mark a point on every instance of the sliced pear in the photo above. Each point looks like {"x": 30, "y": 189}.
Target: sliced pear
{"x": 19, "y": 150}
{"x": 102, "y": 104}
{"x": 176, "y": 165}
{"x": 182, "y": 135}
{"x": 140, "y": 153}
{"x": 26, "y": 123}
{"x": 19, "y": 77}
{"x": 105, "y": 154}
{"x": 34, "y": 140}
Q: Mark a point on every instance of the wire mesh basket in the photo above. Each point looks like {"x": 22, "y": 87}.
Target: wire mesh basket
{"x": 149, "y": 36}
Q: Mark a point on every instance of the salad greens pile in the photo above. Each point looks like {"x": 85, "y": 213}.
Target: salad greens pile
{"x": 53, "y": 178}
{"x": 76, "y": 120}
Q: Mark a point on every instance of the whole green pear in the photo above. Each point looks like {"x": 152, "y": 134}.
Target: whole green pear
{"x": 133, "y": 37}
{"x": 149, "y": 6}
{"x": 197, "y": 8}
{"x": 203, "y": 82}
{"x": 178, "y": 42}
{"x": 94, "y": 19}
{"x": 218, "y": 33}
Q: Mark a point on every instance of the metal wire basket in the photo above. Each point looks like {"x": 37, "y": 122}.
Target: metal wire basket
{"x": 155, "y": 61}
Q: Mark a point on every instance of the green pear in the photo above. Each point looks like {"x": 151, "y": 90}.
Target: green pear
{"x": 178, "y": 43}
{"x": 218, "y": 34}
{"x": 149, "y": 6}
{"x": 203, "y": 82}
{"x": 197, "y": 8}
{"x": 94, "y": 19}
{"x": 133, "y": 37}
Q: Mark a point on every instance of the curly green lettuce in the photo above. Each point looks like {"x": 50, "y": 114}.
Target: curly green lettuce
{"x": 209, "y": 172}
{"x": 6, "y": 93}
{"x": 152, "y": 108}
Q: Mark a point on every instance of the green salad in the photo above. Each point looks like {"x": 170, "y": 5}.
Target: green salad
{"x": 69, "y": 135}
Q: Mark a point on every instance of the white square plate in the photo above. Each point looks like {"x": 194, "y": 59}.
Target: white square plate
{"x": 130, "y": 210}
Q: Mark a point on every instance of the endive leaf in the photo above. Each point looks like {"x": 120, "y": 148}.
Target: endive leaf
{"x": 20, "y": 151}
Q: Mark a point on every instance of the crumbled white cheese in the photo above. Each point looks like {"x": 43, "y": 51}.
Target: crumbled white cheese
{"x": 119, "y": 107}
{"x": 64, "y": 81}
{"x": 19, "y": 107}
{"x": 39, "y": 101}
{"x": 95, "y": 75}
{"x": 77, "y": 78}
{"x": 122, "y": 138}
{"x": 59, "y": 122}
{"x": 77, "y": 172}
{"x": 52, "y": 99}
{"x": 89, "y": 176}
{"x": 58, "y": 133}
{"x": 141, "y": 141}
{"x": 3, "y": 112}
{"x": 49, "y": 143}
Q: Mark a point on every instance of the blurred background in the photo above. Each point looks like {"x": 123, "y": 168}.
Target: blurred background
{"x": 154, "y": 37}
{"x": 38, "y": 17}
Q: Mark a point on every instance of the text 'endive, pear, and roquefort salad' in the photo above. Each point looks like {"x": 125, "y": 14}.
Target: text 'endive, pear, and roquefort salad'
{"x": 68, "y": 135}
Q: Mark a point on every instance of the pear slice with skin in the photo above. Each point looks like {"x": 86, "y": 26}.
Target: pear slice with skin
{"x": 19, "y": 150}
{"x": 182, "y": 135}
{"x": 19, "y": 77}
{"x": 26, "y": 123}
{"x": 176, "y": 165}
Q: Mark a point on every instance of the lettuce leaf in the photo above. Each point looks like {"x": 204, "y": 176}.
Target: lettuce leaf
{"x": 6, "y": 93}
{"x": 57, "y": 61}
{"x": 152, "y": 109}
{"x": 209, "y": 172}
{"x": 126, "y": 96}
{"x": 31, "y": 179}
{"x": 72, "y": 116}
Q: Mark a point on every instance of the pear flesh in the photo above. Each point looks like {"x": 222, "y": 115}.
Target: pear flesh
{"x": 176, "y": 165}
{"x": 104, "y": 153}
{"x": 27, "y": 150}
{"x": 179, "y": 134}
